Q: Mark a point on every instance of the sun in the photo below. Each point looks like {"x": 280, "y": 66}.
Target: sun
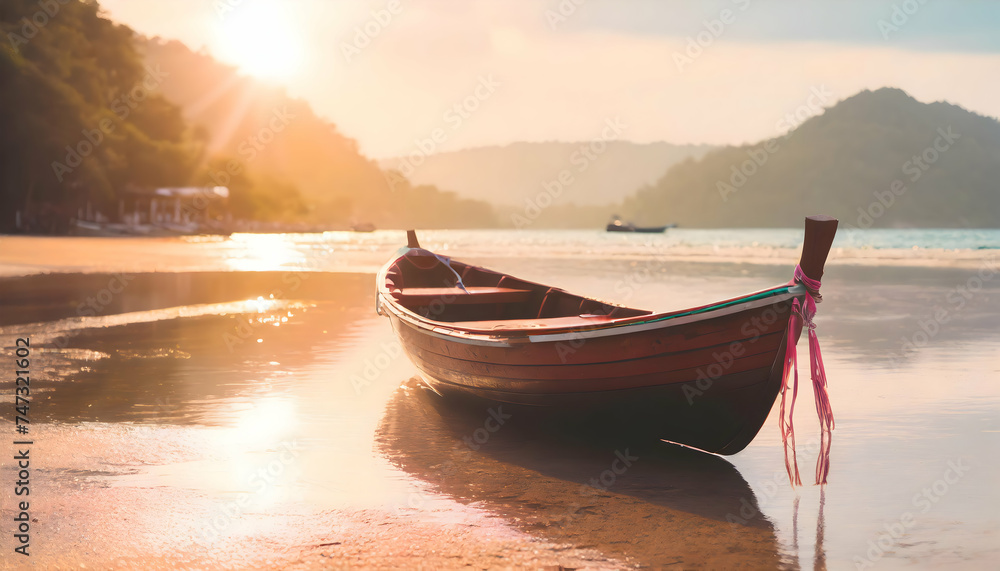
{"x": 261, "y": 39}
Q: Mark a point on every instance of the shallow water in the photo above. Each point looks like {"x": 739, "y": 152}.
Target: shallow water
{"x": 366, "y": 252}
{"x": 236, "y": 426}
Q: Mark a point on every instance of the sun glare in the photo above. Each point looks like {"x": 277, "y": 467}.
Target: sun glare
{"x": 261, "y": 39}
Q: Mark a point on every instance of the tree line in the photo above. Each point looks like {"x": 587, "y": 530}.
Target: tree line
{"x": 92, "y": 110}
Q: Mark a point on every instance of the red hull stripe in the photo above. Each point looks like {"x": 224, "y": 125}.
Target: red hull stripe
{"x": 726, "y": 356}
{"x": 737, "y": 329}
{"x": 567, "y": 384}
{"x": 718, "y": 389}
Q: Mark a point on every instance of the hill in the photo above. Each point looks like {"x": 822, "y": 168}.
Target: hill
{"x": 877, "y": 159}
{"x": 256, "y": 128}
{"x": 603, "y": 172}
{"x": 92, "y": 111}
{"x": 80, "y": 122}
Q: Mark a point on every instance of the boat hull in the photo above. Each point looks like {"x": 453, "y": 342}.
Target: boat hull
{"x": 638, "y": 229}
{"x": 708, "y": 383}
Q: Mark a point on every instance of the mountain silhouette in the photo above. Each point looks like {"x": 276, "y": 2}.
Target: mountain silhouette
{"x": 878, "y": 159}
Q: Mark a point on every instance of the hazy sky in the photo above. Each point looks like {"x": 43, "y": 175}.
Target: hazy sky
{"x": 726, "y": 71}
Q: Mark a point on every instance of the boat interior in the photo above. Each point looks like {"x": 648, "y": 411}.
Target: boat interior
{"x": 441, "y": 289}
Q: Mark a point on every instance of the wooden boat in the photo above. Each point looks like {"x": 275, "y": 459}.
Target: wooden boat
{"x": 705, "y": 377}
{"x": 619, "y": 226}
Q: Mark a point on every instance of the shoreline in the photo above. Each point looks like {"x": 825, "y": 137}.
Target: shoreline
{"x": 19, "y": 255}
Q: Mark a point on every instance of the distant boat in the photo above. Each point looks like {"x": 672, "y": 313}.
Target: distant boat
{"x": 363, "y": 227}
{"x": 617, "y": 225}
{"x": 700, "y": 376}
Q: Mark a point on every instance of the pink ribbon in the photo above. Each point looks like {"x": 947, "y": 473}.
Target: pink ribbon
{"x": 802, "y": 316}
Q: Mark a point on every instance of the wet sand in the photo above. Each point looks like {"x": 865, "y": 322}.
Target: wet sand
{"x": 151, "y": 435}
{"x": 196, "y": 422}
{"x": 96, "y": 511}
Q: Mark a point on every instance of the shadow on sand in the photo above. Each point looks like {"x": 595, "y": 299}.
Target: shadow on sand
{"x": 650, "y": 504}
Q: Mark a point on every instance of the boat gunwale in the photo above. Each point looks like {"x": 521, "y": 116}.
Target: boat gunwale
{"x": 454, "y": 332}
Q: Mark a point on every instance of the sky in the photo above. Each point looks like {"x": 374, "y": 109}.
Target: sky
{"x": 437, "y": 75}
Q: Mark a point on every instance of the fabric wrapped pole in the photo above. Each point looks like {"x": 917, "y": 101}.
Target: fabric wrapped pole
{"x": 802, "y": 317}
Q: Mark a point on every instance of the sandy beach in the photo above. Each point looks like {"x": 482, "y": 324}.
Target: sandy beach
{"x": 214, "y": 417}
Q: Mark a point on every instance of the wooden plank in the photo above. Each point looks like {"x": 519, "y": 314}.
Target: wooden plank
{"x": 454, "y": 295}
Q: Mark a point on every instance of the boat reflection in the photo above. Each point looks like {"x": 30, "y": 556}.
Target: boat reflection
{"x": 653, "y": 504}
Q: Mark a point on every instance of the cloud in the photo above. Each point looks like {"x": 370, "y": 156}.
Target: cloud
{"x": 563, "y": 86}
{"x": 613, "y": 59}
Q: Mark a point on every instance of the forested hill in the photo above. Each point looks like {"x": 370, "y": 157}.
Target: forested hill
{"x": 280, "y": 140}
{"x": 846, "y": 163}
{"x": 77, "y": 122}
{"x": 90, "y": 110}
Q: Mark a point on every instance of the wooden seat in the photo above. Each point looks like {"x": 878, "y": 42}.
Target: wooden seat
{"x": 454, "y": 295}
{"x": 558, "y": 303}
{"x": 538, "y": 323}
